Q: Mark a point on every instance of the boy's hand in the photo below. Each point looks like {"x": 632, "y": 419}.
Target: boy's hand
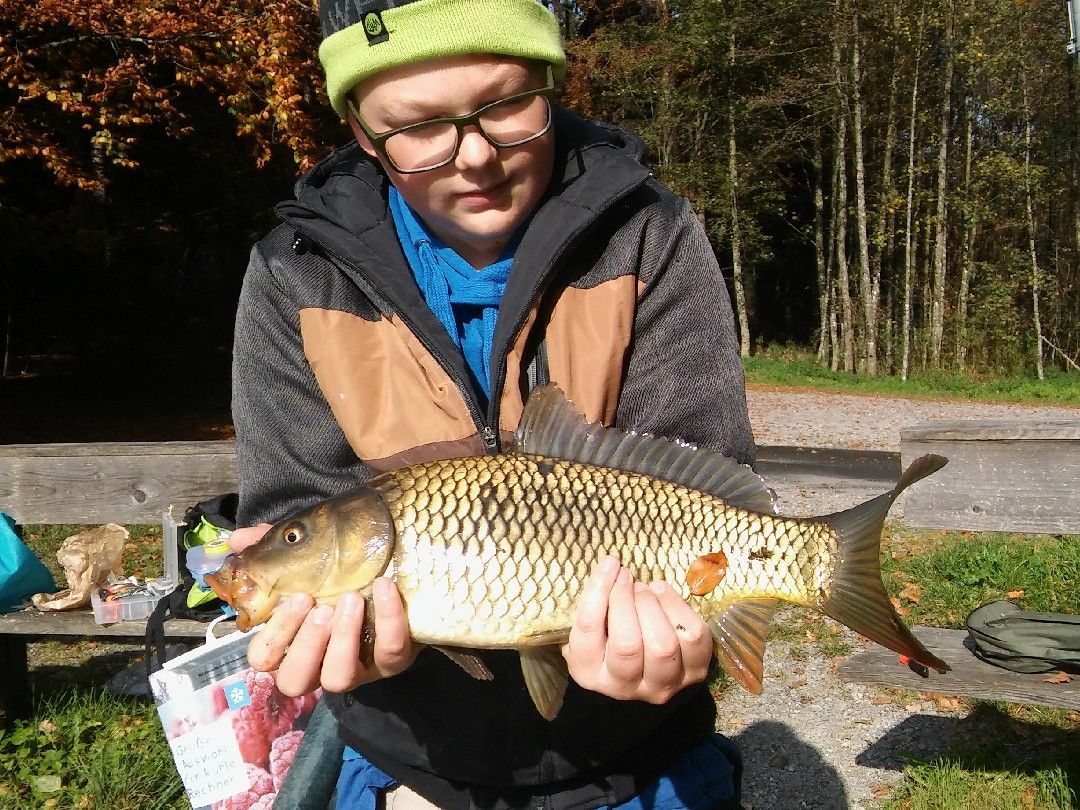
{"x": 635, "y": 642}
{"x": 319, "y": 645}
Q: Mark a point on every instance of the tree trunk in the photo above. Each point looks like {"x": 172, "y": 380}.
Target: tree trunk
{"x": 941, "y": 238}
{"x": 823, "y": 280}
{"x": 1029, "y": 204}
{"x": 885, "y": 228}
{"x": 736, "y": 239}
{"x": 840, "y": 202}
{"x": 909, "y": 259}
{"x": 866, "y": 286}
{"x": 968, "y": 250}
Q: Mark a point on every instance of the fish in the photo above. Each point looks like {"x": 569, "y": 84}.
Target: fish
{"x": 492, "y": 552}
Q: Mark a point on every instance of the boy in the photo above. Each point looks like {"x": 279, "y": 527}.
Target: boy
{"x": 474, "y": 238}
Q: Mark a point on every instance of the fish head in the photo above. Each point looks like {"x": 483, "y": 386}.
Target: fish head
{"x": 338, "y": 545}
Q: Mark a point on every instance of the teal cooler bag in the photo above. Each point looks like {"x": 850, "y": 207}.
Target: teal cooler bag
{"x": 21, "y": 573}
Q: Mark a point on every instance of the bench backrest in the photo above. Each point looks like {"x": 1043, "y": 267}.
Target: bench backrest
{"x": 117, "y": 482}
{"x": 1004, "y": 475}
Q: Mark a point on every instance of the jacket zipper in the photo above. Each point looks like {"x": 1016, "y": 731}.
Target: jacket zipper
{"x": 488, "y": 436}
{"x": 541, "y": 282}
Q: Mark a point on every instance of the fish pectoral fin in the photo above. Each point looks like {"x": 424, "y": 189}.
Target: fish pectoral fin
{"x": 468, "y": 661}
{"x": 546, "y": 675}
{"x": 739, "y": 632}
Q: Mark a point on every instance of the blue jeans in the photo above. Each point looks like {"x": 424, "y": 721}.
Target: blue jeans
{"x": 702, "y": 779}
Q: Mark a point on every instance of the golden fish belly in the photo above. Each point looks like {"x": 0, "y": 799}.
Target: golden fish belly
{"x": 493, "y": 551}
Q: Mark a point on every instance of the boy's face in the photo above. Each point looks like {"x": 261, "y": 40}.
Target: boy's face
{"x": 477, "y": 201}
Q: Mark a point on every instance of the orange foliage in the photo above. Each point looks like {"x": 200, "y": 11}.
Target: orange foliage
{"x": 111, "y": 68}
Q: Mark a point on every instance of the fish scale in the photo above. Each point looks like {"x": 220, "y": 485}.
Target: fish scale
{"x": 510, "y": 562}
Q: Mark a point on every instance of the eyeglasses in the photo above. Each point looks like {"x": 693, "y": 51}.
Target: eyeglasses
{"x": 427, "y": 145}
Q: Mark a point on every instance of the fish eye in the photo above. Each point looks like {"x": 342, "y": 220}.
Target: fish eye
{"x": 293, "y": 534}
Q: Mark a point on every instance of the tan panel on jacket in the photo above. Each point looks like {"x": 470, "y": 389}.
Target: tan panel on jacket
{"x": 396, "y": 405}
{"x": 588, "y": 337}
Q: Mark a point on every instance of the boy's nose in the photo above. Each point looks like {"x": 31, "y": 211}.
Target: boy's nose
{"x": 474, "y": 149}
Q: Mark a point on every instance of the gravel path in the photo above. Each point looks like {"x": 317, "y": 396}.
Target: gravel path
{"x": 809, "y": 740}
{"x": 819, "y": 419}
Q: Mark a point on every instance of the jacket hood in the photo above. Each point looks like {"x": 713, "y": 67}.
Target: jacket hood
{"x": 345, "y": 194}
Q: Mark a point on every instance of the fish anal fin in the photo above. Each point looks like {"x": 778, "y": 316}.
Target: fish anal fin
{"x": 706, "y": 572}
{"x": 468, "y": 661}
{"x": 739, "y": 632}
{"x": 546, "y": 676}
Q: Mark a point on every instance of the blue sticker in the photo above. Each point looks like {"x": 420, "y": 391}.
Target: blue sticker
{"x": 237, "y": 695}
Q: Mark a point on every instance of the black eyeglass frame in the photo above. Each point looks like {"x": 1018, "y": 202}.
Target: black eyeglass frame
{"x": 378, "y": 140}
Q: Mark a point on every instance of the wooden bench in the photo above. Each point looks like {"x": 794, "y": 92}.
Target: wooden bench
{"x": 969, "y": 677}
{"x": 1007, "y": 475}
{"x": 106, "y": 482}
{"x": 1004, "y": 475}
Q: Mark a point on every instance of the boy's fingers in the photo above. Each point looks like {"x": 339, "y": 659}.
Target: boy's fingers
{"x": 301, "y": 668}
{"x": 342, "y": 668}
{"x": 588, "y": 635}
{"x": 267, "y": 648}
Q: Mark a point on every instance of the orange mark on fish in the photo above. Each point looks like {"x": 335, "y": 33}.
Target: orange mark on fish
{"x": 706, "y": 572}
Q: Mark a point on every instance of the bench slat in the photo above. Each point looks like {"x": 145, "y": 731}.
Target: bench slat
{"x": 969, "y": 677}
{"x": 1013, "y": 476}
{"x": 35, "y": 623}
{"x": 111, "y": 482}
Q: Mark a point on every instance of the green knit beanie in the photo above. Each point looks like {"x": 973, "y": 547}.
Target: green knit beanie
{"x": 364, "y": 37}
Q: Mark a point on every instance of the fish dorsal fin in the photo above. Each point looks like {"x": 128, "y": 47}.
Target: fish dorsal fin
{"x": 551, "y": 426}
{"x": 739, "y": 632}
{"x": 546, "y": 676}
{"x": 469, "y": 661}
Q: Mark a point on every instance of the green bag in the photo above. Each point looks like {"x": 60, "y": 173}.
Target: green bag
{"x": 1022, "y": 641}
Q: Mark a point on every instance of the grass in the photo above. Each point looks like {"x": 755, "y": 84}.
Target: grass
{"x": 955, "y": 572}
{"x": 88, "y": 749}
{"x": 938, "y": 578}
{"x": 787, "y": 367}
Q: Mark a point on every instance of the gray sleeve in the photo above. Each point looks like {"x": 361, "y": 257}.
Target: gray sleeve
{"x": 684, "y": 378}
{"x": 290, "y": 452}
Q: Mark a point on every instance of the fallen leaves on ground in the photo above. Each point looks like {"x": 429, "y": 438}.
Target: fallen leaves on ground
{"x": 912, "y": 592}
{"x": 1058, "y": 677}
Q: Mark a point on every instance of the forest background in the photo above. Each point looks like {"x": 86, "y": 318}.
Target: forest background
{"x": 892, "y": 185}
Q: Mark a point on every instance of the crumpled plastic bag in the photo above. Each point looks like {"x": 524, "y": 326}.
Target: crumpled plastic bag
{"x": 89, "y": 559}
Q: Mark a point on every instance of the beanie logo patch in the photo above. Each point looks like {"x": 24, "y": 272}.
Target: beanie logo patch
{"x": 375, "y": 28}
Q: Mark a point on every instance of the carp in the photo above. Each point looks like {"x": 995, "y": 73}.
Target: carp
{"x": 492, "y": 552}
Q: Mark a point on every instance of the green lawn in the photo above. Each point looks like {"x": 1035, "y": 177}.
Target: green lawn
{"x": 795, "y": 368}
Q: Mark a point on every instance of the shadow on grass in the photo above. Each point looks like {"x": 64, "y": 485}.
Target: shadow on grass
{"x": 988, "y": 739}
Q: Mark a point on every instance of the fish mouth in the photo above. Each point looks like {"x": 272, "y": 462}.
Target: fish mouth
{"x": 235, "y": 584}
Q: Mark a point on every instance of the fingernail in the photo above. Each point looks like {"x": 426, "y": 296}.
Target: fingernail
{"x": 382, "y": 588}
{"x": 658, "y": 587}
{"x": 624, "y": 577}
{"x": 609, "y": 565}
{"x": 298, "y": 603}
{"x": 322, "y": 614}
{"x": 348, "y": 604}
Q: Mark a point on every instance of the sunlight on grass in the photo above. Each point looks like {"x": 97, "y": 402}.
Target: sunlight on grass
{"x": 786, "y": 366}
{"x": 948, "y": 785}
{"x": 88, "y": 749}
{"x": 955, "y": 572}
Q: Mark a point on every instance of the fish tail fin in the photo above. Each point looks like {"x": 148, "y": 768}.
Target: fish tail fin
{"x": 857, "y": 597}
